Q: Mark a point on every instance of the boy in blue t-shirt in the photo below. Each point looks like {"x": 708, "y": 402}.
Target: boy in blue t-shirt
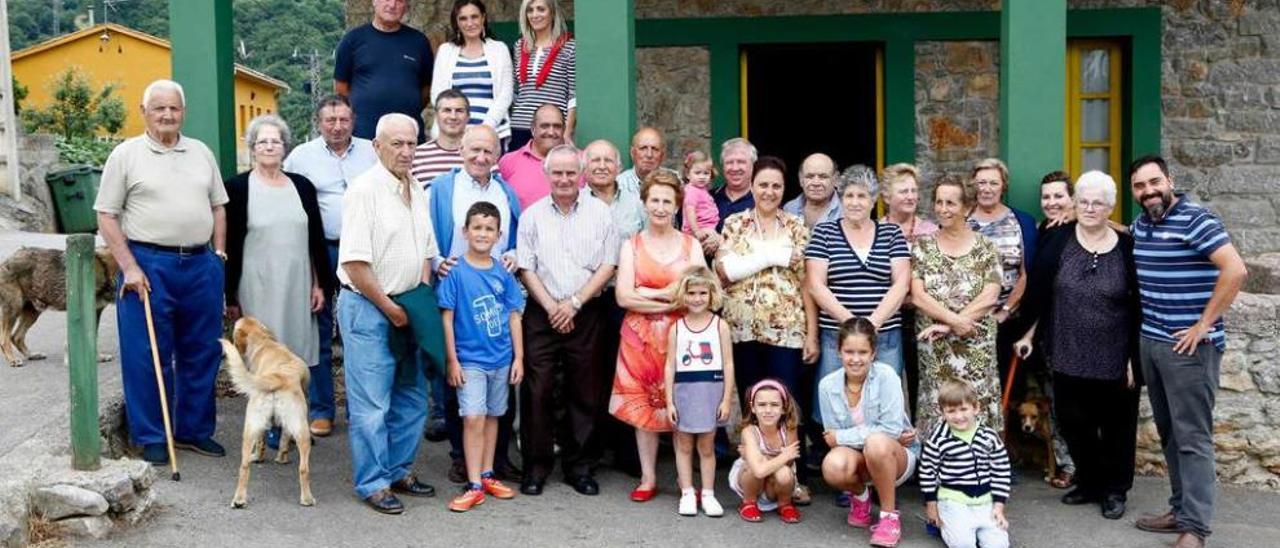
{"x": 481, "y": 306}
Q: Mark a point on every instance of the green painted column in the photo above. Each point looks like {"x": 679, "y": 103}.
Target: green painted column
{"x": 82, "y": 353}
{"x": 605, "y": 31}
{"x": 1033, "y": 71}
{"x": 201, "y": 32}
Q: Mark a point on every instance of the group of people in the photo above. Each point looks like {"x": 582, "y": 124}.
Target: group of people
{"x": 867, "y": 343}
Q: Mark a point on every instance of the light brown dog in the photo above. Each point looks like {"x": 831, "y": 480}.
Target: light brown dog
{"x": 35, "y": 279}
{"x": 1033, "y": 419}
{"x": 276, "y": 387}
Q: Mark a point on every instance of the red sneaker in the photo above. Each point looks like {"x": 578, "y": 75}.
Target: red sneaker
{"x": 496, "y": 488}
{"x": 749, "y": 511}
{"x": 467, "y": 500}
{"x": 789, "y": 514}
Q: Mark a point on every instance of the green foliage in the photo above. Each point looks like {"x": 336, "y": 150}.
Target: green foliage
{"x": 84, "y": 150}
{"x": 19, "y": 95}
{"x": 278, "y": 37}
{"x": 77, "y": 110}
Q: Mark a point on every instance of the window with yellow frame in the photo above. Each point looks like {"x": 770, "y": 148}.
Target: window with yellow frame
{"x": 1094, "y": 87}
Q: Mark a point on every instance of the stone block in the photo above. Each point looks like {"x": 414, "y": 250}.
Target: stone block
{"x": 1252, "y": 121}
{"x": 1235, "y": 374}
{"x": 1257, "y": 240}
{"x": 96, "y": 527}
{"x": 1264, "y": 273}
{"x": 1243, "y": 211}
{"x": 1268, "y": 151}
{"x": 1254, "y": 314}
{"x": 1243, "y": 179}
{"x": 12, "y": 531}
{"x": 1259, "y": 23}
{"x": 116, "y": 486}
{"x": 1201, "y": 153}
{"x": 61, "y": 501}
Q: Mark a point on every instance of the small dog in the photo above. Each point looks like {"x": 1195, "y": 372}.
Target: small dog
{"x": 35, "y": 279}
{"x": 277, "y": 393}
{"x": 1034, "y": 421}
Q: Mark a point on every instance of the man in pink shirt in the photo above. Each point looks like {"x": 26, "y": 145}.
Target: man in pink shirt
{"x": 522, "y": 168}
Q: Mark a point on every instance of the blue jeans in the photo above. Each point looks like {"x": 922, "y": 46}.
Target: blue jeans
{"x": 888, "y": 351}
{"x": 186, "y": 306}
{"x": 386, "y": 409}
{"x": 320, "y": 392}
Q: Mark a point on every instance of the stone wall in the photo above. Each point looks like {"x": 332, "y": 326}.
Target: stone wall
{"x": 957, "y": 99}
{"x": 37, "y": 156}
{"x": 673, "y": 94}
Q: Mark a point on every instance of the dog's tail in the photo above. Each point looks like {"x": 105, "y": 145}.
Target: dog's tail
{"x": 245, "y": 381}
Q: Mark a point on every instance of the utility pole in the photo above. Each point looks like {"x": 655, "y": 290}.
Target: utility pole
{"x": 314, "y": 66}
{"x": 57, "y": 17}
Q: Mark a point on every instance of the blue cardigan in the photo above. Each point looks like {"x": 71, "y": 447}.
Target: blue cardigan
{"x": 1030, "y": 235}
{"x": 442, "y": 208}
{"x": 882, "y": 406}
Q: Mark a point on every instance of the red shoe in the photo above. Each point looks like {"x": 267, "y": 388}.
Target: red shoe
{"x": 467, "y": 500}
{"x": 749, "y": 511}
{"x": 643, "y": 495}
{"x": 496, "y": 488}
{"x": 789, "y": 514}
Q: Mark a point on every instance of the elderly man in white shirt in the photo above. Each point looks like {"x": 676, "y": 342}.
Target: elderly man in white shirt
{"x": 386, "y": 250}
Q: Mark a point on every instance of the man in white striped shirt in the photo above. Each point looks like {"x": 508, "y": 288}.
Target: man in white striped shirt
{"x": 437, "y": 156}
{"x": 567, "y": 249}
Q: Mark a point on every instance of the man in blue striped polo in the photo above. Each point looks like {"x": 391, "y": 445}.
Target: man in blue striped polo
{"x": 1188, "y": 274}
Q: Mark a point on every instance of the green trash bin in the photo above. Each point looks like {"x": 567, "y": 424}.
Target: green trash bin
{"x": 74, "y": 190}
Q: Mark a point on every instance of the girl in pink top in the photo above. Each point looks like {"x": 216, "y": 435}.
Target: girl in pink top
{"x": 700, "y": 213}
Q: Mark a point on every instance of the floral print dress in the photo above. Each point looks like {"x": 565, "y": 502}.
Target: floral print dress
{"x": 955, "y": 282}
{"x": 768, "y": 306}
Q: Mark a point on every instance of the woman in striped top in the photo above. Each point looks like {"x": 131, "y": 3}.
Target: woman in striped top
{"x": 545, "y": 65}
{"x": 858, "y": 267}
{"x": 477, "y": 65}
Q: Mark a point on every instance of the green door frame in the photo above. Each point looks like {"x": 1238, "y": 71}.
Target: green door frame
{"x": 1141, "y": 28}
{"x": 200, "y": 33}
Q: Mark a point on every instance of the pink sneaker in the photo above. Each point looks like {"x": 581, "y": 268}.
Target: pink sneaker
{"x": 860, "y": 512}
{"x": 888, "y": 532}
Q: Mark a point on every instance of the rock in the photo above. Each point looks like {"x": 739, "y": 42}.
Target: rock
{"x": 142, "y": 474}
{"x": 97, "y": 527}
{"x": 60, "y": 501}
{"x": 141, "y": 510}
{"x": 1234, "y": 375}
{"x": 1264, "y": 273}
{"x": 12, "y": 532}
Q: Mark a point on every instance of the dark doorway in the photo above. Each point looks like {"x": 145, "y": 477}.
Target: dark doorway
{"x": 806, "y": 98}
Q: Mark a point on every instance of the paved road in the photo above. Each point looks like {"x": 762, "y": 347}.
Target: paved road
{"x": 35, "y": 396}
{"x": 199, "y": 508}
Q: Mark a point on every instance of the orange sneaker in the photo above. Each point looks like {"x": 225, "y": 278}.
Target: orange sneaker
{"x": 467, "y": 500}
{"x": 496, "y": 488}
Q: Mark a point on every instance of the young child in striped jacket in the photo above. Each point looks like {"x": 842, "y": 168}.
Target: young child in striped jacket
{"x": 964, "y": 474}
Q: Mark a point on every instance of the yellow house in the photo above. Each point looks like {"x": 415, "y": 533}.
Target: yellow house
{"x": 110, "y": 53}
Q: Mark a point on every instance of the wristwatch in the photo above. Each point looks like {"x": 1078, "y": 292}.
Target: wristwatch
{"x": 575, "y": 301}
{"x": 221, "y": 254}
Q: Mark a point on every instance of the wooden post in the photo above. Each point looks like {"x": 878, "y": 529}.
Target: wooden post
{"x": 82, "y": 352}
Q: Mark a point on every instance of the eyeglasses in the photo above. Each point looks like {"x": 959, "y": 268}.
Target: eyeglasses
{"x": 1090, "y": 205}
{"x": 267, "y": 143}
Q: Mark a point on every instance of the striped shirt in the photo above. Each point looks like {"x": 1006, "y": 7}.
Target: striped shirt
{"x": 431, "y": 160}
{"x": 1175, "y": 275}
{"x": 565, "y": 248}
{"x": 558, "y": 89}
{"x": 858, "y": 285}
{"x": 974, "y": 468}
{"x": 474, "y": 78}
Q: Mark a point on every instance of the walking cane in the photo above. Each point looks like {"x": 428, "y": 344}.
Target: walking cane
{"x": 1008, "y": 384}
{"x": 164, "y": 399}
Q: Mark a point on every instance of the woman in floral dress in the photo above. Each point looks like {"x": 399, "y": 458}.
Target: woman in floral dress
{"x": 955, "y": 284}
{"x": 649, "y": 266}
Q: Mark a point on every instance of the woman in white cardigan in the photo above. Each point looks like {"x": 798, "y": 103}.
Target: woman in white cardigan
{"x": 476, "y": 64}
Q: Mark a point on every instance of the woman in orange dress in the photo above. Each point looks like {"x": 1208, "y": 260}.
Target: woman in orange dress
{"x": 649, "y": 266}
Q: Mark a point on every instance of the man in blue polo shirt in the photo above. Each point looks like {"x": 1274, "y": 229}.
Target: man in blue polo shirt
{"x": 737, "y": 162}
{"x": 384, "y": 67}
{"x": 1188, "y": 274}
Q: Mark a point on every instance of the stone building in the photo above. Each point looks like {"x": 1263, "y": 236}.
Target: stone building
{"x": 1044, "y": 84}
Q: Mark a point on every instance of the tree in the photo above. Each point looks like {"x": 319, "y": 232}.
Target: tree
{"x": 19, "y": 94}
{"x": 77, "y": 110}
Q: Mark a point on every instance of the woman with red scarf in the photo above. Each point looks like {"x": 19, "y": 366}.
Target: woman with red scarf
{"x": 545, "y": 65}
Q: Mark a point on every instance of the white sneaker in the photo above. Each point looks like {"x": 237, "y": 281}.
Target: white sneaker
{"x": 710, "y": 506}
{"x": 688, "y": 504}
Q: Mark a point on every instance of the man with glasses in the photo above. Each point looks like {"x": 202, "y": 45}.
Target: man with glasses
{"x": 330, "y": 161}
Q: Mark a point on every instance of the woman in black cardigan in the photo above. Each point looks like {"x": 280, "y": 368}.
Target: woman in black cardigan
{"x": 1083, "y": 299}
{"x": 276, "y": 258}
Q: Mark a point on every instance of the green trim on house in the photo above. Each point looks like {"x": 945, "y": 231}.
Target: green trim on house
{"x": 1141, "y": 28}
{"x": 606, "y": 45}
{"x": 1033, "y": 101}
{"x": 201, "y": 32}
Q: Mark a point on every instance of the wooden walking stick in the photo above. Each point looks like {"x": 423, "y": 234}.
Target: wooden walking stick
{"x": 164, "y": 399}
{"x": 1008, "y": 384}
